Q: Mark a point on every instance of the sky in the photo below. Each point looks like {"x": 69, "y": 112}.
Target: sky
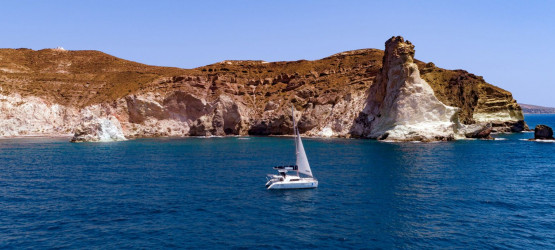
{"x": 510, "y": 43}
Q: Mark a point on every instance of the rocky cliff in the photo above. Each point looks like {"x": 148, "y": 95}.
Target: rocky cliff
{"x": 479, "y": 102}
{"x": 95, "y": 96}
{"x": 401, "y": 105}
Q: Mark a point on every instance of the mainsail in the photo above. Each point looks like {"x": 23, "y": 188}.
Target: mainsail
{"x": 302, "y": 161}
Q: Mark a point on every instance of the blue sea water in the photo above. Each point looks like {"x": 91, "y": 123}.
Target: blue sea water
{"x": 209, "y": 193}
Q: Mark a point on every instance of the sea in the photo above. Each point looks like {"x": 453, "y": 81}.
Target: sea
{"x": 209, "y": 193}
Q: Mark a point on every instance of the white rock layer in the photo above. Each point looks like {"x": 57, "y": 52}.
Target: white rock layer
{"x": 402, "y": 106}
{"x": 32, "y": 116}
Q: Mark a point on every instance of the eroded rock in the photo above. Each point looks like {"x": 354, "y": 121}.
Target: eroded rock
{"x": 543, "y": 132}
{"x": 478, "y": 131}
{"x": 401, "y": 106}
{"x": 99, "y": 130}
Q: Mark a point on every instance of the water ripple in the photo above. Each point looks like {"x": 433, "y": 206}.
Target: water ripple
{"x": 207, "y": 193}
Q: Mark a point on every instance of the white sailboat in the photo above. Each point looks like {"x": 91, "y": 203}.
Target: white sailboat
{"x": 285, "y": 181}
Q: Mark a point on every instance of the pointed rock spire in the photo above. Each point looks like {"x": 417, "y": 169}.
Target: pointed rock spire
{"x": 401, "y": 105}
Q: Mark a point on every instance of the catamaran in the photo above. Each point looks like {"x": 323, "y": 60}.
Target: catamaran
{"x": 285, "y": 181}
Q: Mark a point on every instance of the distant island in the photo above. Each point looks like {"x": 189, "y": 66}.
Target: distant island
{"x": 534, "y": 109}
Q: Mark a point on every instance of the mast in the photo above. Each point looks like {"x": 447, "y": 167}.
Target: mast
{"x": 295, "y": 132}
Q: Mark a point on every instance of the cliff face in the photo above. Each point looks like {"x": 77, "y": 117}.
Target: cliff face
{"x": 479, "y": 102}
{"x": 401, "y": 105}
{"x": 99, "y": 97}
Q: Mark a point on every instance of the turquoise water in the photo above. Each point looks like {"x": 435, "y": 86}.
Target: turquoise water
{"x": 209, "y": 193}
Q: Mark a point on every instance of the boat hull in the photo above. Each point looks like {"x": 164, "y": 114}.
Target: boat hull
{"x": 293, "y": 185}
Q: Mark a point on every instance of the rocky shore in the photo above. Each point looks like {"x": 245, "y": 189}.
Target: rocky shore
{"x": 365, "y": 93}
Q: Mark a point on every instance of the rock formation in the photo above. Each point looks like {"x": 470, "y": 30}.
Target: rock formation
{"x": 98, "y": 129}
{"x": 478, "y": 101}
{"x": 401, "y": 105}
{"x": 87, "y": 93}
{"x": 34, "y": 116}
{"x": 477, "y": 131}
{"x": 543, "y": 132}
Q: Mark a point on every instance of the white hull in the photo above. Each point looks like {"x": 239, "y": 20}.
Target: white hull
{"x": 288, "y": 184}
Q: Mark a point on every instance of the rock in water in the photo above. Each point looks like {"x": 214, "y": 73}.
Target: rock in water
{"x": 99, "y": 130}
{"x": 477, "y": 131}
{"x": 401, "y": 106}
{"x": 543, "y": 132}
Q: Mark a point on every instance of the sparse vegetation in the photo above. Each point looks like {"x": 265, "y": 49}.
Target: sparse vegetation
{"x": 81, "y": 78}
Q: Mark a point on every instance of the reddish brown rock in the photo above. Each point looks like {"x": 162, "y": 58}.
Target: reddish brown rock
{"x": 50, "y": 91}
{"x": 481, "y": 133}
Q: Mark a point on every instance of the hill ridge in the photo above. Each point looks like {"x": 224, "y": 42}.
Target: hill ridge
{"x": 254, "y": 96}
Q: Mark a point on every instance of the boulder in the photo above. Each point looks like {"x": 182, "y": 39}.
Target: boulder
{"x": 98, "y": 130}
{"x": 543, "y": 132}
{"x": 478, "y": 131}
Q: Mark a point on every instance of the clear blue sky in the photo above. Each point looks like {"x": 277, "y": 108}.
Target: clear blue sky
{"x": 510, "y": 43}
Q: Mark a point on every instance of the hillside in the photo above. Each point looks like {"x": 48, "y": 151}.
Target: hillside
{"x": 76, "y": 78}
{"x": 534, "y": 109}
{"x": 229, "y": 97}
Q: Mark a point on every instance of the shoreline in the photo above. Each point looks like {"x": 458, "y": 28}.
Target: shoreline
{"x": 35, "y": 136}
{"x": 69, "y": 136}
